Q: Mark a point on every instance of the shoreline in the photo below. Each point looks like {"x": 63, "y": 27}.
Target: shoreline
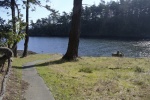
{"x": 119, "y": 38}
{"x": 20, "y": 52}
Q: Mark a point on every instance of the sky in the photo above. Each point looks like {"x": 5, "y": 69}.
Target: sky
{"x": 60, "y": 5}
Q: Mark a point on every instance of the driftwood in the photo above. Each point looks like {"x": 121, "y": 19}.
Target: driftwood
{"x": 6, "y": 54}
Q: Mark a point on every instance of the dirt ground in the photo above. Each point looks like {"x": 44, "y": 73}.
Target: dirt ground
{"x": 2, "y": 74}
{"x": 15, "y": 87}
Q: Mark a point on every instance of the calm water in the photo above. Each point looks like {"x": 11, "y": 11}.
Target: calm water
{"x": 89, "y": 47}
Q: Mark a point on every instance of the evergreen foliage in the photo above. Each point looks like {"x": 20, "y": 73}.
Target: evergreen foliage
{"x": 126, "y": 18}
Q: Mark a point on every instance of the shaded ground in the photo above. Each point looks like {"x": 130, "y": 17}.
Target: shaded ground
{"x": 15, "y": 87}
{"x": 2, "y": 74}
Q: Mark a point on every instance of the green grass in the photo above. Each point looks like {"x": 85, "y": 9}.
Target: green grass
{"x": 20, "y": 61}
{"x": 92, "y": 78}
{"x": 98, "y": 78}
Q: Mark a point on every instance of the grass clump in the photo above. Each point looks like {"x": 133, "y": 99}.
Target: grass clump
{"x": 139, "y": 70}
{"x": 86, "y": 70}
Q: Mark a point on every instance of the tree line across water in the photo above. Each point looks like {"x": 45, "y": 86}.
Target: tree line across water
{"x": 124, "y": 18}
{"x": 12, "y": 32}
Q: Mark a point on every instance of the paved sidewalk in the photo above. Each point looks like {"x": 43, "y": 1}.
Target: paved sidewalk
{"x": 37, "y": 89}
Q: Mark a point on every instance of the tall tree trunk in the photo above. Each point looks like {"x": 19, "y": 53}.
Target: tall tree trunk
{"x": 72, "y": 51}
{"x": 25, "y": 53}
{"x": 14, "y": 25}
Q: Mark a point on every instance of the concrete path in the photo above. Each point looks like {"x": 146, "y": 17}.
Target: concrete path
{"x": 37, "y": 89}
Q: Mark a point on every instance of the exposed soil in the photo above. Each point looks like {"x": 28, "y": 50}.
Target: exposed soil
{"x": 15, "y": 86}
{"x": 2, "y": 74}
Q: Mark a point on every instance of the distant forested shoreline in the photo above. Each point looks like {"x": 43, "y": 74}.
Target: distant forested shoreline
{"x": 123, "y": 19}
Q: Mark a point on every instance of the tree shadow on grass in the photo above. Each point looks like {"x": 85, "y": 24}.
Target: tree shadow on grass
{"x": 60, "y": 61}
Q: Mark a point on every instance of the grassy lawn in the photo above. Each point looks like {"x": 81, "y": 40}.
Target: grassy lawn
{"x": 88, "y": 78}
{"x": 97, "y": 78}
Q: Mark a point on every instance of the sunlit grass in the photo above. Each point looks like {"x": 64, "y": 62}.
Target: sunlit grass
{"x": 20, "y": 61}
{"x": 93, "y": 78}
{"x": 97, "y": 78}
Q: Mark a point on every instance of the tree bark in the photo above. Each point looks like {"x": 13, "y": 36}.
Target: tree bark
{"x": 14, "y": 26}
{"x": 72, "y": 50}
{"x": 25, "y": 52}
